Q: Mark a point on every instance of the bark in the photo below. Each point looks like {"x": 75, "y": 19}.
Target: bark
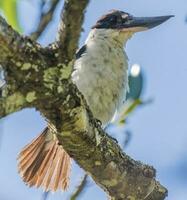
{"x": 40, "y": 78}
{"x": 70, "y": 28}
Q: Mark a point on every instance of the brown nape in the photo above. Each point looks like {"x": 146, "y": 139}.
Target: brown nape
{"x": 44, "y": 163}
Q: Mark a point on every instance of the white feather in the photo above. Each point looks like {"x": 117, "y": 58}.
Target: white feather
{"x": 101, "y": 72}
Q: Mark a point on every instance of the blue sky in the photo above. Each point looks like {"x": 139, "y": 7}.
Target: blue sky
{"x": 159, "y": 129}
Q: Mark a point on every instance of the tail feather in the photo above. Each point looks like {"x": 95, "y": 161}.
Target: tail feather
{"x": 29, "y": 153}
{"x": 51, "y": 172}
{"x": 58, "y": 171}
{"x": 66, "y": 169}
{"x": 28, "y": 168}
{"x": 59, "y": 163}
{"x": 29, "y": 148}
{"x": 31, "y": 173}
{"x": 44, "y": 163}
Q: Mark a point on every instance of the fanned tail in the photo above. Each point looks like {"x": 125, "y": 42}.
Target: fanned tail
{"x": 44, "y": 163}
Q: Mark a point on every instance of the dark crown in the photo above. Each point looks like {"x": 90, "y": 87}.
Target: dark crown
{"x": 112, "y": 20}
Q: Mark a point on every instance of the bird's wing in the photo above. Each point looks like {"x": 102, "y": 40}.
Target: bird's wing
{"x": 81, "y": 51}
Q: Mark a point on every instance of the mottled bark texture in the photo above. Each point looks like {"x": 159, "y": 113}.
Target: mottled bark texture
{"x": 40, "y": 78}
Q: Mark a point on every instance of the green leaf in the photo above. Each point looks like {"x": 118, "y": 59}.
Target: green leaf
{"x": 9, "y": 8}
{"x": 127, "y": 109}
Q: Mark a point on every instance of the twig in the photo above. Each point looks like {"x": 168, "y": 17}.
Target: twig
{"x": 80, "y": 188}
{"x": 45, "y": 195}
{"x": 127, "y": 138}
{"x": 45, "y": 19}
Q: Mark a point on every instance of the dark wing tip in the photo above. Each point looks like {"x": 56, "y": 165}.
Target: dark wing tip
{"x": 81, "y": 51}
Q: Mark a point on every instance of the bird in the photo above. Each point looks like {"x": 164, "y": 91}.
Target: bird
{"x": 101, "y": 74}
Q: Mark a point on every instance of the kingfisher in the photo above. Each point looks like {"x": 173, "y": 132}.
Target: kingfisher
{"x": 101, "y": 74}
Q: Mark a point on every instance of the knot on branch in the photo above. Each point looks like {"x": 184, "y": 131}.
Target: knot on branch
{"x": 149, "y": 171}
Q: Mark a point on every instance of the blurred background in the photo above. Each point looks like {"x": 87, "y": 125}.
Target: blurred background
{"x": 155, "y": 126}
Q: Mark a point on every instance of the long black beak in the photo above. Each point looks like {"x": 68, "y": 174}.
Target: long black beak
{"x": 144, "y": 23}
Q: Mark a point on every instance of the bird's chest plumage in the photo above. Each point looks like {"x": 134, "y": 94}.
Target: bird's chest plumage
{"x": 101, "y": 75}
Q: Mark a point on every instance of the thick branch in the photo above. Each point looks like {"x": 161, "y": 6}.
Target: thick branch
{"x": 101, "y": 157}
{"x": 72, "y": 17}
{"x": 12, "y": 103}
{"x": 12, "y": 45}
{"x": 22, "y": 59}
{"x": 21, "y": 52}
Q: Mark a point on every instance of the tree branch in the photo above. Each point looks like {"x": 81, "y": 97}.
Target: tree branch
{"x": 22, "y": 52}
{"x": 12, "y": 103}
{"x": 22, "y": 61}
{"x": 14, "y": 49}
{"x": 45, "y": 19}
{"x": 70, "y": 26}
{"x": 101, "y": 157}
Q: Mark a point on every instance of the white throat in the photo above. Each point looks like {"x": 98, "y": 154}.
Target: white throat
{"x": 111, "y": 35}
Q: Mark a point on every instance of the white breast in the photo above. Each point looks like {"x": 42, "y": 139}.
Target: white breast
{"x": 101, "y": 75}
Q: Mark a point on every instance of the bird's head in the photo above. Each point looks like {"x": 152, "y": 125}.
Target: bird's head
{"x": 122, "y": 25}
